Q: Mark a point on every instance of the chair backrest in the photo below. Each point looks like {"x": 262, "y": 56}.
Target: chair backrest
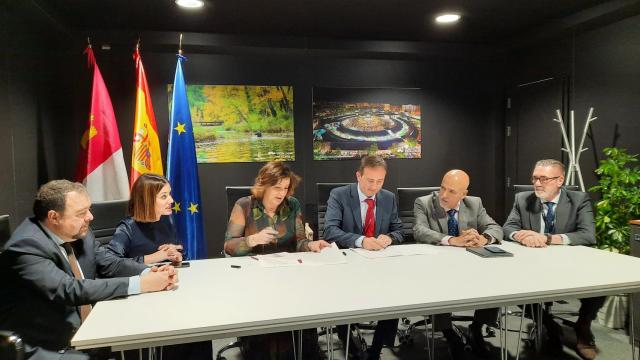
{"x": 233, "y": 194}
{"x": 406, "y": 199}
{"x": 521, "y": 188}
{"x": 11, "y": 346}
{"x": 5, "y": 229}
{"x": 106, "y": 216}
{"x": 324, "y": 190}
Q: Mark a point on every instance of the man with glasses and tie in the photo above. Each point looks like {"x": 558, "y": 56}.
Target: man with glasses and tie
{"x": 449, "y": 217}
{"x": 54, "y": 269}
{"x": 553, "y": 215}
{"x": 365, "y": 215}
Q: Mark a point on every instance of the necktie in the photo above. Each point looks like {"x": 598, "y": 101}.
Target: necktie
{"x": 549, "y": 227}
{"x": 369, "y": 227}
{"x": 452, "y": 223}
{"x": 75, "y": 268}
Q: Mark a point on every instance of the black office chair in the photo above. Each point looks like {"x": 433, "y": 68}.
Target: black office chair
{"x": 324, "y": 190}
{"x": 106, "y": 216}
{"x": 5, "y": 229}
{"x": 233, "y": 194}
{"x": 531, "y": 341}
{"x": 406, "y": 199}
{"x": 11, "y": 346}
{"x": 521, "y": 188}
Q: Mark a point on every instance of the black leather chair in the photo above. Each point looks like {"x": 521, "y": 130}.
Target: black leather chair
{"x": 233, "y": 194}
{"x": 106, "y": 216}
{"x": 11, "y": 346}
{"x": 324, "y": 190}
{"x": 406, "y": 199}
{"x": 5, "y": 229}
{"x": 521, "y": 188}
{"x": 533, "y": 332}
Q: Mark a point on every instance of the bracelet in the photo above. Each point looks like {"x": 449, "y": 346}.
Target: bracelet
{"x": 548, "y": 239}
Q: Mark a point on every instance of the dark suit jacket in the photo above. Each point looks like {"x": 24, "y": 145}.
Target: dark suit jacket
{"x": 431, "y": 220}
{"x": 39, "y": 297}
{"x": 574, "y": 216}
{"x": 343, "y": 220}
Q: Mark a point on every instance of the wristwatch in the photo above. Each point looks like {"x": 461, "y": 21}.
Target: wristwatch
{"x": 548, "y": 238}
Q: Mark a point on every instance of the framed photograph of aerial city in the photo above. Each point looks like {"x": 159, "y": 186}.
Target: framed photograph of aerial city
{"x": 241, "y": 123}
{"x": 351, "y": 122}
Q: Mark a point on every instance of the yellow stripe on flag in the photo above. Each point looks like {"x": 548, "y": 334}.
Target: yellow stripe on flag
{"x": 146, "y": 156}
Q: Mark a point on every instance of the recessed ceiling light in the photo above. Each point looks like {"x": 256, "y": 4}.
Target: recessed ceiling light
{"x": 190, "y": 3}
{"x": 447, "y": 18}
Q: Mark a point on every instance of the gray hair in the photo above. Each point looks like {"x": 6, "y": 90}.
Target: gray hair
{"x": 551, "y": 162}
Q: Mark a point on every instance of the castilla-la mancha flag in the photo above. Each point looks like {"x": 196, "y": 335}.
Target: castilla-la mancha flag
{"x": 101, "y": 165}
{"x": 145, "y": 155}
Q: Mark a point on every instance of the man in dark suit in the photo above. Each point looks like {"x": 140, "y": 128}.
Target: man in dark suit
{"x": 51, "y": 266}
{"x": 451, "y": 218}
{"x": 552, "y": 215}
{"x": 365, "y": 215}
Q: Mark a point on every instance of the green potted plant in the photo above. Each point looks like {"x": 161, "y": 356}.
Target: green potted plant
{"x": 619, "y": 188}
{"x": 618, "y": 185}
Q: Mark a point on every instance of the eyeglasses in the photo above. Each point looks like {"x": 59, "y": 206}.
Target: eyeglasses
{"x": 542, "y": 179}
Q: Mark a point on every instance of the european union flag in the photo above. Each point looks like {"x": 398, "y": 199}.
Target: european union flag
{"x": 182, "y": 172}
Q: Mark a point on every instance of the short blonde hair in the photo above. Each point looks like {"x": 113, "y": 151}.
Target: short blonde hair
{"x": 142, "y": 204}
{"x": 270, "y": 174}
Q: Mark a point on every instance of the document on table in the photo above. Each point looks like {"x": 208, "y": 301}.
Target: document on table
{"x": 328, "y": 256}
{"x": 397, "y": 250}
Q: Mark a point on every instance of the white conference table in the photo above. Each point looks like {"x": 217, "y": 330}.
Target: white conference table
{"x": 216, "y": 301}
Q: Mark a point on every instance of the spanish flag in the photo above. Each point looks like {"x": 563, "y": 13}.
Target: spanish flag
{"x": 101, "y": 165}
{"x": 145, "y": 155}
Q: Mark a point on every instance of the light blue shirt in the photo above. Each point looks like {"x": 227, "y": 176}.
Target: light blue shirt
{"x": 134, "y": 281}
{"x": 565, "y": 238}
{"x": 363, "y": 212}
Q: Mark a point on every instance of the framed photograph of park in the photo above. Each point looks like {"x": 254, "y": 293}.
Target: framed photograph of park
{"x": 351, "y": 122}
{"x": 241, "y": 123}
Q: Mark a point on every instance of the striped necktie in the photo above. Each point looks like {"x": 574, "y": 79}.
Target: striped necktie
{"x": 75, "y": 268}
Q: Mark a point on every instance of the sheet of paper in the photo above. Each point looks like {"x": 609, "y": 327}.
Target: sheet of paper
{"x": 328, "y": 256}
{"x": 397, "y": 250}
{"x": 279, "y": 259}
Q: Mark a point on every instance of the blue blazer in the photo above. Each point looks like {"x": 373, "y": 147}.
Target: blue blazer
{"x": 343, "y": 220}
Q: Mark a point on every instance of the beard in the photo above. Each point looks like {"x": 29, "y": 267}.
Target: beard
{"x": 545, "y": 194}
{"x": 82, "y": 233}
